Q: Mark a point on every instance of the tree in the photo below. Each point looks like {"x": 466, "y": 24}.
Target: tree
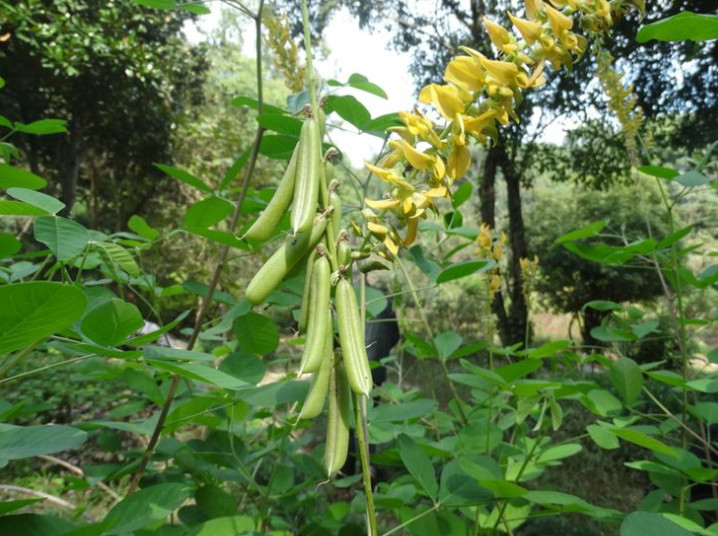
{"x": 120, "y": 75}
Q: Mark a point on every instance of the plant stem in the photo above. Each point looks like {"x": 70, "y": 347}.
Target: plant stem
{"x": 224, "y": 253}
{"x": 10, "y": 362}
{"x": 410, "y": 521}
{"x": 362, "y": 437}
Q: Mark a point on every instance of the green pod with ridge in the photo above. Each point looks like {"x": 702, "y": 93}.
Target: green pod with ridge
{"x": 351, "y": 339}
{"x": 314, "y": 403}
{"x": 337, "y": 446}
{"x": 306, "y": 186}
{"x": 292, "y": 250}
{"x": 320, "y": 317}
{"x": 306, "y": 294}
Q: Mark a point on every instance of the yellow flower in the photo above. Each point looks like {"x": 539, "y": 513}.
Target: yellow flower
{"x": 529, "y": 30}
{"x": 412, "y": 227}
{"x": 484, "y": 239}
{"x": 459, "y": 162}
{"x": 448, "y": 100}
{"x": 390, "y": 176}
{"x": 560, "y": 23}
{"x": 503, "y": 72}
{"x": 465, "y": 72}
{"x": 533, "y": 9}
{"x": 419, "y": 160}
{"x": 382, "y": 204}
{"x": 494, "y": 284}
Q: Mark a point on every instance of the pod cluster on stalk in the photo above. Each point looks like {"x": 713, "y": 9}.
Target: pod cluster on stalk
{"x": 318, "y": 242}
{"x": 479, "y": 95}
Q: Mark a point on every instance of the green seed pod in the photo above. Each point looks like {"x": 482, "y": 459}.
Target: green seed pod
{"x": 320, "y": 318}
{"x": 304, "y": 310}
{"x": 282, "y": 261}
{"x": 270, "y": 217}
{"x": 314, "y": 403}
{"x": 336, "y": 203}
{"x": 351, "y": 339}
{"x": 306, "y": 187}
{"x": 344, "y": 251}
{"x": 337, "y": 448}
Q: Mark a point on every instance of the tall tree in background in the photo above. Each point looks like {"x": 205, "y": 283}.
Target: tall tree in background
{"x": 119, "y": 74}
{"x": 433, "y": 34}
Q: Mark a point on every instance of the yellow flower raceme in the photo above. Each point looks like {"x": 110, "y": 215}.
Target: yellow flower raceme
{"x": 465, "y": 72}
{"x": 448, "y": 100}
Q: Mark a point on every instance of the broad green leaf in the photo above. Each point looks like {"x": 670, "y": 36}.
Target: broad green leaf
{"x": 224, "y": 526}
{"x": 184, "y": 176}
{"x": 550, "y": 349}
{"x": 459, "y": 489}
{"x": 141, "y": 227}
{"x": 660, "y": 172}
{"x": 602, "y": 437}
{"x": 706, "y": 411}
{"x": 602, "y": 403}
{"x": 197, "y": 8}
{"x": 9, "y": 506}
{"x": 281, "y": 123}
{"x": 279, "y": 146}
{"x": 693, "y": 179}
{"x": 627, "y": 379}
{"x": 202, "y": 373}
{"x": 349, "y": 109}
{"x": 559, "y": 452}
{"x": 207, "y": 212}
{"x": 256, "y": 333}
{"x": 18, "y": 208}
{"x": 118, "y": 256}
{"x": 503, "y": 489}
{"x": 464, "y": 269}
{"x": 643, "y": 440}
{"x": 427, "y": 266}
{"x": 447, "y": 343}
{"x": 179, "y": 354}
{"x": 12, "y": 177}
{"x": 147, "y": 506}
{"x": 675, "y": 237}
{"x": 519, "y": 369}
{"x": 43, "y": 127}
{"x": 274, "y": 394}
{"x": 28, "y": 441}
{"x": 42, "y": 201}
{"x": 157, "y": 4}
{"x": 156, "y": 334}
{"x": 235, "y": 168}
{"x": 418, "y": 464}
{"x": 65, "y": 238}
{"x": 9, "y": 245}
{"x": 33, "y": 311}
{"x": 592, "y": 229}
{"x": 603, "y": 305}
{"x": 402, "y": 411}
{"x": 244, "y": 366}
{"x": 360, "y": 81}
{"x": 34, "y": 525}
{"x": 462, "y": 194}
{"x": 704, "y": 385}
{"x": 379, "y": 125}
{"x": 111, "y": 322}
{"x": 645, "y": 523}
{"x": 685, "y": 26}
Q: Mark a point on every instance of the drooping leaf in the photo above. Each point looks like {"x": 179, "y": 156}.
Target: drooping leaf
{"x": 349, "y": 109}
{"x": 111, "y": 322}
{"x": 685, "y": 26}
{"x": 592, "y": 229}
{"x": 12, "y": 177}
{"x": 602, "y": 437}
{"x": 65, "y": 238}
{"x": 418, "y": 464}
{"x": 644, "y": 440}
{"x": 27, "y": 441}
{"x": 119, "y": 257}
{"x": 659, "y": 171}
{"x": 447, "y": 343}
{"x": 627, "y": 379}
{"x": 644, "y": 523}
{"x": 459, "y": 489}
{"x": 43, "y": 127}
{"x": 33, "y": 311}
{"x": 184, "y": 176}
{"x": 146, "y": 506}
{"x": 199, "y": 372}
{"x": 37, "y": 199}
{"x": 281, "y": 123}
{"x": 427, "y": 266}
{"x": 256, "y": 333}
{"x": 462, "y": 194}
{"x": 207, "y": 212}
{"x": 141, "y": 227}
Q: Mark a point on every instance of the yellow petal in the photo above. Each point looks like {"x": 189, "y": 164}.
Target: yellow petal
{"x": 448, "y": 100}
{"x": 382, "y": 204}
{"x": 377, "y": 229}
{"x": 559, "y": 22}
{"x": 503, "y": 71}
{"x": 411, "y": 231}
{"x": 391, "y": 246}
{"x": 498, "y": 34}
{"x": 417, "y": 159}
{"x": 459, "y": 161}
{"x": 529, "y": 30}
{"x": 439, "y": 191}
{"x": 532, "y": 8}
{"x": 466, "y": 72}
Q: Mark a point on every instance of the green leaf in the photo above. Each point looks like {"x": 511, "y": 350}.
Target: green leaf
{"x": 279, "y": 146}
{"x": 256, "y": 333}
{"x": 427, "y": 266}
{"x": 559, "y": 452}
{"x": 643, "y": 523}
{"x": 643, "y": 440}
{"x": 403, "y": 411}
{"x": 282, "y": 123}
{"x": 17, "y": 208}
{"x": 44, "y": 202}
{"x": 141, "y": 227}
{"x": 27, "y": 441}
{"x": 165, "y": 352}
{"x": 9, "y": 245}
{"x": 706, "y": 411}
{"x": 111, "y": 322}
{"x": 459, "y": 489}
{"x": 9, "y": 506}
{"x": 360, "y": 81}
{"x": 118, "y": 256}
{"x": 202, "y": 373}
{"x": 196, "y": 8}
{"x": 464, "y": 269}
{"x": 592, "y": 229}
{"x": 380, "y": 124}
{"x": 207, "y": 212}
{"x": 627, "y": 379}
{"x": 685, "y": 26}
{"x": 604, "y": 305}
{"x": 447, "y": 343}
{"x": 185, "y": 177}
{"x": 65, "y": 238}
{"x": 221, "y": 237}
{"x": 147, "y": 506}
{"x": 462, "y": 194}
{"x": 693, "y": 179}
{"x": 246, "y": 367}
{"x": 418, "y": 464}
{"x": 251, "y": 102}
{"x": 660, "y": 172}
{"x": 602, "y": 437}
{"x": 349, "y": 109}
{"x": 201, "y": 289}
{"x": 12, "y": 177}
{"x": 224, "y": 526}
{"x": 43, "y": 127}
{"x": 274, "y": 394}
{"x": 157, "y": 4}
{"x": 34, "y": 311}
{"x": 35, "y": 525}
{"x": 549, "y": 349}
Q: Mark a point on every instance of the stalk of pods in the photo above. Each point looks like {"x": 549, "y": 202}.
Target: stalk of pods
{"x": 317, "y": 241}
